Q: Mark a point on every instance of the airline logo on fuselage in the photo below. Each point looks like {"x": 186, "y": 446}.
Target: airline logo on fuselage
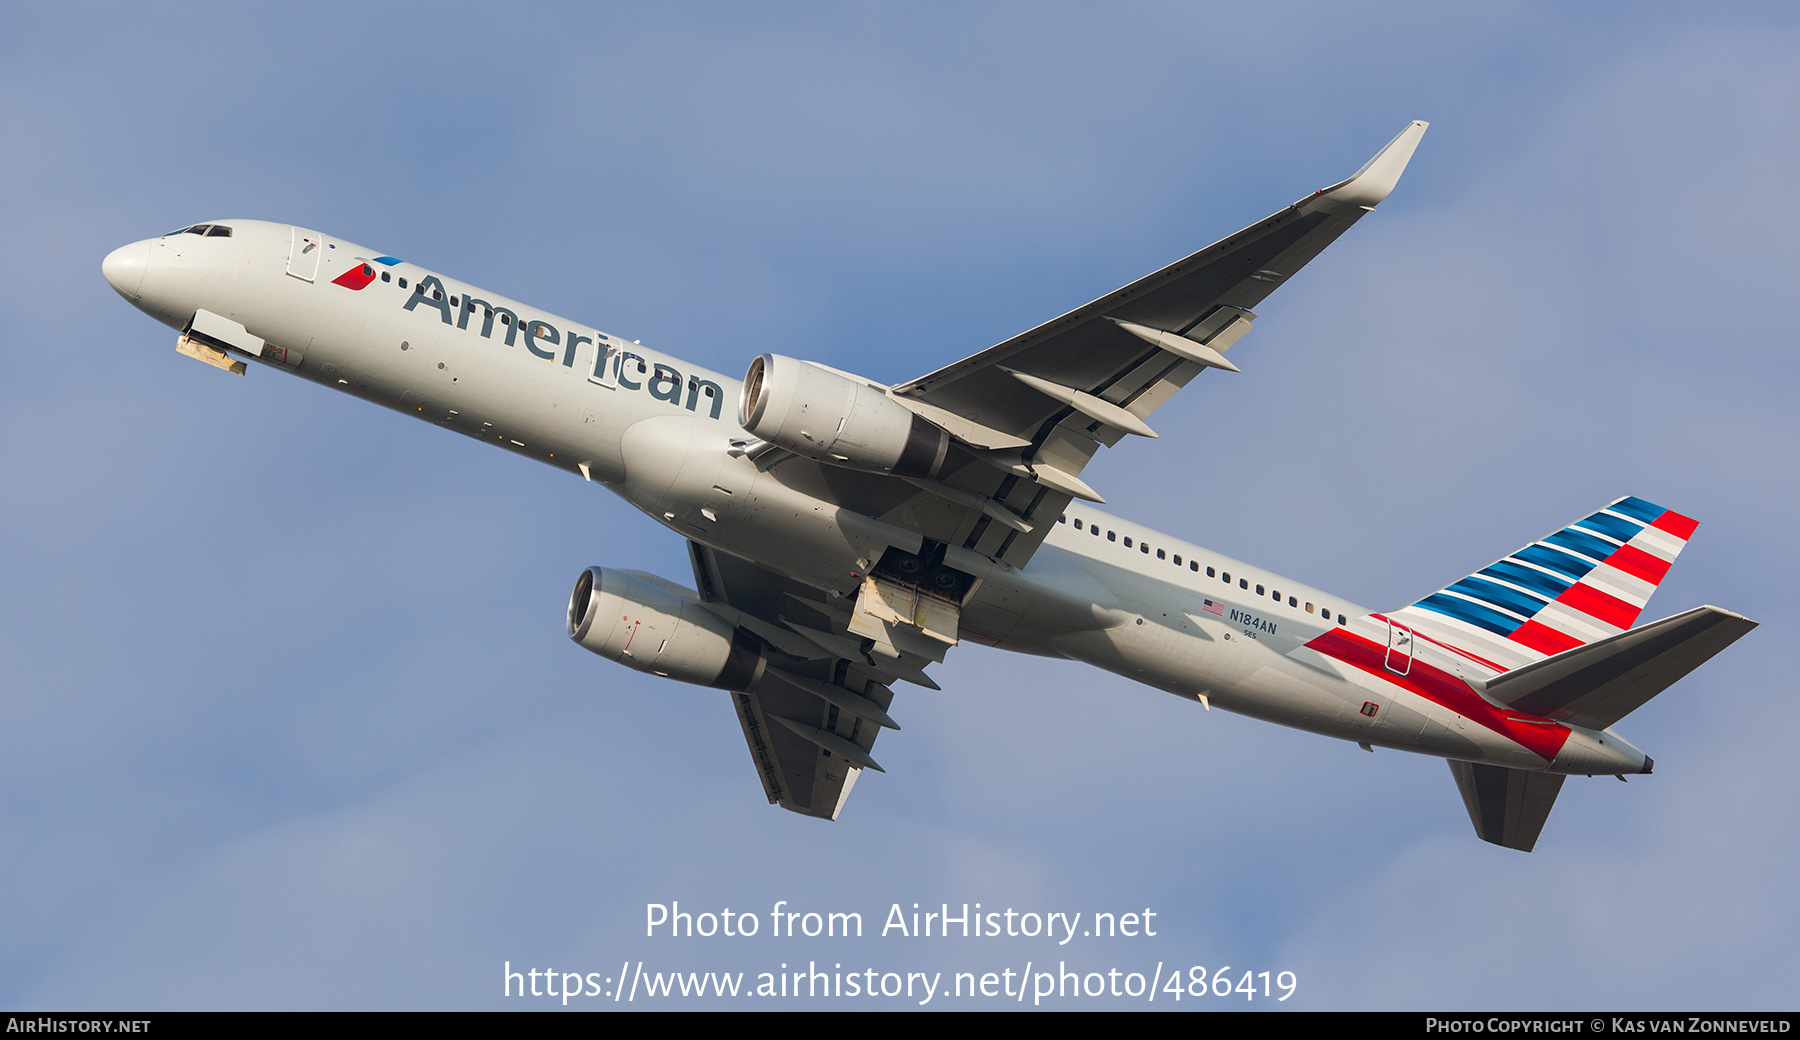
{"x": 661, "y": 381}
{"x": 358, "y": 278}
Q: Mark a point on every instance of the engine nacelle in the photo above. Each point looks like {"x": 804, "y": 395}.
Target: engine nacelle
{"x": 635, "y": 620}
{"x": 826, "y": 415}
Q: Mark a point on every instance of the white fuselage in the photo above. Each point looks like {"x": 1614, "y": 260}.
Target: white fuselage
{"x": 660, "y": 432}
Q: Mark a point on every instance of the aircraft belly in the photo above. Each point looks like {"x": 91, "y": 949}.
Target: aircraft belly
{"x": 1400, "y": 719}
{"x": 1185, "y": 661}
{"x": 1250, "y": 677}
{"x": 434, "y": 377}
{"x": 1276, "y": 694}
{"x": 674, "y": 467}
{"x": 1028, "y": 610}
{"x": 677, "y": 469}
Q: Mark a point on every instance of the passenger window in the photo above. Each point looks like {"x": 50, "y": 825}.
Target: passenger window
{"x": 1194, "y": 565}
{"x": 1077, "y": 525}
{"x": 1292, "y": 602}
{"x": 1112, "y": 536}
{"x": 1163, "y": 556}
{"x": 1096, "y": 531}
{"x": 1063, "y": 519}
{"x": 1259, "y": 590}
{"x": 402, "y": 283}
{"x": 1309, "y": 608}
{"x": 386, "y": 277}
{"x": 1127, "y": 541}
{"x": 1177, "y": 559}
{"x": 1340, "y": 619}
{"x": 1243, "y": 583}
{"x": 1144, "y": 547}
{"x": 453, "y": 302}
{"x": 1225, "y": 577}
{"x": 1209, "y": 570}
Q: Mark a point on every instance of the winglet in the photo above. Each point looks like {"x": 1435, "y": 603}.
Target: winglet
{"x": 1378, "y": 176}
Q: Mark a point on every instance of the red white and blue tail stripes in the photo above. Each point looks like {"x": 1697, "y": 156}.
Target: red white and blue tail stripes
{"x": 1585, "y": 582}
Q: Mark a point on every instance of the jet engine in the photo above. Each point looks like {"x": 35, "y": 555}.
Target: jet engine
{"x": 839, "y": 419}
{"x": 645, "y": 623}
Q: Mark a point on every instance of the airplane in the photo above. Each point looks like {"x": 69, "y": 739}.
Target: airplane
{"x": 844, "y": 535}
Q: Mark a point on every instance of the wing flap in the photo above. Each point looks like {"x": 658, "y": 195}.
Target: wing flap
{"x": 811, "y": 719}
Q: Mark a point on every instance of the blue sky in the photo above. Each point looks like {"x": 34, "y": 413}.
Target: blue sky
{"x": 291, "y": 718}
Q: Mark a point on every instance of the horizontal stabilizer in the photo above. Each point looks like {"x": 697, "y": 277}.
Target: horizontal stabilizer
{"x": 1507, "y": 806}
{"x": 1600, "y": 683}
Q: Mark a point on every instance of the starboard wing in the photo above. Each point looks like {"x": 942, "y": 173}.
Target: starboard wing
{"x": 1029, "y": 413}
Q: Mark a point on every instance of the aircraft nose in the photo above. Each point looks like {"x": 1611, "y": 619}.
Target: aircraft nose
{"x": 124, "y": 268}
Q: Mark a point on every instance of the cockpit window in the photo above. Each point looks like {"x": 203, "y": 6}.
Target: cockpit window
{"x": 204, "y": 230}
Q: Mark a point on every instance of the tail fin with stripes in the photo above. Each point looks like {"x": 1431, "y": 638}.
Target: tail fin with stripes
{"x": 1585, "y": 582}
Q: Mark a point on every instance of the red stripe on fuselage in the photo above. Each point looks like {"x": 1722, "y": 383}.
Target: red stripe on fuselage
{"x": 1598, "y": 605}
{"x": 1680, "y": 526}
{"x": 1443, "y": 689}
{"x": 1639, "y": 564}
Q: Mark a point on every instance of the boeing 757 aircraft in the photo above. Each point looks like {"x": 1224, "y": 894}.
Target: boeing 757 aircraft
{"x": 845, "y": 535}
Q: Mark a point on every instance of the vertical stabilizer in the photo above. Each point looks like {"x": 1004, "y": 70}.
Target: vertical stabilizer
{"x": 1583, "y": 583}
{"x": 1507, "y": 806}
